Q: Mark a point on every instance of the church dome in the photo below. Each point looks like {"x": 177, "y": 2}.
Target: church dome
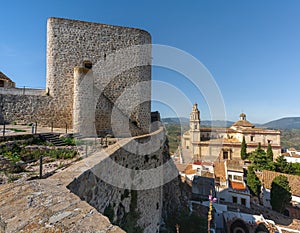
{"x": 242, "y": 122}
{"x": 243, "y": 115}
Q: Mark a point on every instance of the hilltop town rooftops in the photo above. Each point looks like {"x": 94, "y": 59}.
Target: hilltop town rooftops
{"x": 266, "y": 177}
{"x": 4, "y": 77}
{"x": 291, "y": 154}
{"x": 234, "y": 165}
{"x": 189, "y": 170}
{"x": 6, "y": 81}
{"x": 220, "y": 172}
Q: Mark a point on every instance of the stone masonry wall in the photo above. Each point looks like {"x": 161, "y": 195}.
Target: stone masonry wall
{"x": 22, "y": 91}
{"x": 30, "y": 108}
{"x": 129, "y": 208}
{"x": 46, "y": 205}
{"x": 70, "y": 43}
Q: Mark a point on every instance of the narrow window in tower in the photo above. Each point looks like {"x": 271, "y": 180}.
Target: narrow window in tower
{"x": 225, "y": 154}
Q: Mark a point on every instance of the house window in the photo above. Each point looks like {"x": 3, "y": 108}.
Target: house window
{"x": 234, "y": 199}
{"x": 243, "y": 201}
{"x": 230, "y": 177}
{"x": 1, "y": 83}
{"x": 252, "y": 138}
{"x": 240, "y": 178}
{"x": 225, "y": 154}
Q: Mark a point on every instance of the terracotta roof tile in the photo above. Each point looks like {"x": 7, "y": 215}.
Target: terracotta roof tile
{"x": 208, "y": 175}
{"x": 189, "y": 170}
{"x": 219, "y": 170}
{"x": 294, "y": 181}
{"x": 4, "y": 77}
{"x": 237, "y": 185}
{"x": 243, "y": 123}
{"x": 235, "y": 165}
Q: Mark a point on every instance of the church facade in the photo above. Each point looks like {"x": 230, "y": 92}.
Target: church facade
{"x": 211, "y": 144}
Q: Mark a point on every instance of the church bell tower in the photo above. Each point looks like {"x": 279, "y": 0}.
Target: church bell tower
{"x": 195, "y": 124}
{"x": 195, "y": 132}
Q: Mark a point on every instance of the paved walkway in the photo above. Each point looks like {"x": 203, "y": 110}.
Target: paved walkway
{"x": 25, "y": 129}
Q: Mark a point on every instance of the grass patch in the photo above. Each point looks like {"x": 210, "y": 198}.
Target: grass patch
{"x": 69, "y": 141}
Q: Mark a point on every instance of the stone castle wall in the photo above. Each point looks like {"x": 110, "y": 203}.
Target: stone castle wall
{"x": 140, "y": 209}
{"x": 71, "y": 43}
{"x": 22, "y": 91}
{"x": 104, "y": 48}
{"x": 45, "y": 205}
{"x": 30, "y": 108}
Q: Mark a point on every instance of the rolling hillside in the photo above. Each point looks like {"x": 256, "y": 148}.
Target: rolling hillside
{"x": 284, "y": 123}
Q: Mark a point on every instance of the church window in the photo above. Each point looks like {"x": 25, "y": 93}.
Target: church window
{"x": 225, "y": 154}
{"x": 195, "y": 126}
{"x": 252, "y": 138}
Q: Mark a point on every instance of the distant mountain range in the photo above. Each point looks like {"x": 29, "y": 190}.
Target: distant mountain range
{"x": 283, "y": 123}
{"x": 184, "y": 120}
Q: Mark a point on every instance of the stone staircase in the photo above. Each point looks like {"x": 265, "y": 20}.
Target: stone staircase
{"x": 54, "y": 139}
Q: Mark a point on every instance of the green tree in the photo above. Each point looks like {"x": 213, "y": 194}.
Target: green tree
{"x": 259, "y": 147}
{"x": 283, "y": 166}
{"x": 296, "y": 168}
{"x": 270, "y": 152}
{"x": 260, "y": 161}
{"x": 280, "y": 193}
{"x": 244, "y": 149}
{"x": 253, "y": 182}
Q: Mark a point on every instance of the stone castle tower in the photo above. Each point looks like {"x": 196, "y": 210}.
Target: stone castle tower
{"x": 103, "y": 54}
{"x": 89, "y": 45}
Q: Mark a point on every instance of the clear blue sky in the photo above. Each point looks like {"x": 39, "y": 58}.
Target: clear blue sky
{"x": 252, "y": 48}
